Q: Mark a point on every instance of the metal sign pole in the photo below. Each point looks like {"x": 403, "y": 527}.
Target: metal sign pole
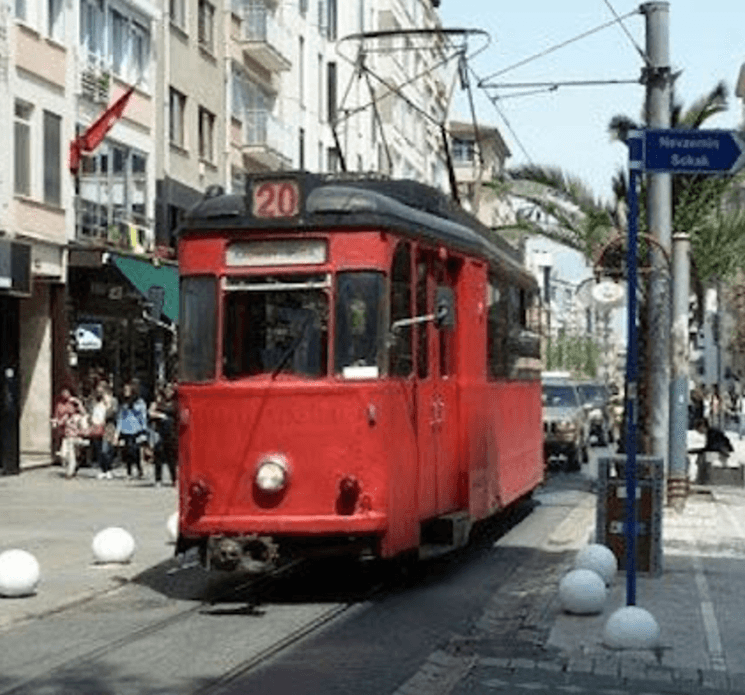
{"x": 635, "y": 143}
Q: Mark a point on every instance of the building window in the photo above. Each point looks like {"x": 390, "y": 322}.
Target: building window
{"x": 322, "y": 18}
{"x": 331, "y": 26}
{"x": 129, "y": 48}
{"x": 52, "y": 159}
{"x": 112, "y": 202}
{"x": 303, "y": 4}
{"x": 332, "y": 160}
{"x": 206, "y": 135}
{"x": 464, "y": 150}
{"x": 21, "y": 9}
{"x": 91, "y": 28}
{"x": 301, "y": 71}
{"x": 301, "y": 150}
{"x": 177, "y": 11}
{"x": 140, "y": 52}
{"x": 56, "y": 19}
{"x": 22, "y": 145}
{"x": 320, "y": 88}
{"x": 177, "y": 108}
{"x": 206, "y": 25}
{"x": 331, "y": 91}
{"x": 118, "y": 41}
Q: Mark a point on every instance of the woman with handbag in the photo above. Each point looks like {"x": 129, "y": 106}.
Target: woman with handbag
{"x": 131, "y": 428}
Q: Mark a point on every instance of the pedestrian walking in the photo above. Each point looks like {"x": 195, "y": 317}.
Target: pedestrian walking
{"x": 70, "y": 417}
{"x": 715, "y": 408}
{"x": 163, "y": 418}
{"x": 99, "y": 445}
{"x": 131, "y": 428}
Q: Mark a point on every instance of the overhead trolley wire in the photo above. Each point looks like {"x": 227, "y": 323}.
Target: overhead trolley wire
{"x": 643, "y": 55}
{"x": 483, "y": 82}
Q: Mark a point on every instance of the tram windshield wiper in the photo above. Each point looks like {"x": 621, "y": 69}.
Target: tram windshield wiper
{"x": 294, "y": 346}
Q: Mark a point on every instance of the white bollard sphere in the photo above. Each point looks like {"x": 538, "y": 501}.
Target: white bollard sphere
{"x": 19, "y": 573}
{"x": 172, "y": 527}
{"x": 582, "y": 592}
{"x": 113, "y": 545}
{"x": 599, "y": 559}
{"x": 631, "y": 627}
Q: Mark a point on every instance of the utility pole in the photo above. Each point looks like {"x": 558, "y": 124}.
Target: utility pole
{"x": 677, "y": 482}
{"x": 659, "y": 197}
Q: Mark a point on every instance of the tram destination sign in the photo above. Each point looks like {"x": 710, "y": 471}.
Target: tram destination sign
{"x": 693, "y": 151}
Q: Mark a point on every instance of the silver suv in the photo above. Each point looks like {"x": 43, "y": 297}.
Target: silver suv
{"x": 565, "y": 424}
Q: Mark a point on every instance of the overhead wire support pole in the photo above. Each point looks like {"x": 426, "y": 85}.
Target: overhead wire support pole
{"x": 659, "y": 223}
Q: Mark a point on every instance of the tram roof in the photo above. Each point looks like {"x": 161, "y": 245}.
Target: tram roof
{"x": 357, "y": 201}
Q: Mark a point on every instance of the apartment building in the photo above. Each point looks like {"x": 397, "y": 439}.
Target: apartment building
{"x": 37, "y": 69}
{"x": 205, "y": 92}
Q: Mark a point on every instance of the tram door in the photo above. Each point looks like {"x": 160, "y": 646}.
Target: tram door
{"x": 437, "y": 392}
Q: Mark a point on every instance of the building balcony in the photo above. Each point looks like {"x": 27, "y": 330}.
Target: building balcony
{"x": 95, "y": 226}
{"x": 94, "y": 79}
{"x": 261, "y": 38}
{"x": 264, "y": 139}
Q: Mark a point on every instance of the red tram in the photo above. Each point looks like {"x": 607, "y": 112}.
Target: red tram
{"x": 358, "y": 372}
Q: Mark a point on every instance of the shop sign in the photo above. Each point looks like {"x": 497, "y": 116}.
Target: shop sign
{"x": 89, "y": 336}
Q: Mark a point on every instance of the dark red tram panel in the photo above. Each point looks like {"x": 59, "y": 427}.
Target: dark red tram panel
{"x": 359, "y": 373}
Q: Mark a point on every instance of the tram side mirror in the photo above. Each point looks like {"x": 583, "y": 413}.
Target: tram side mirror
{"x": 445, "y": 308}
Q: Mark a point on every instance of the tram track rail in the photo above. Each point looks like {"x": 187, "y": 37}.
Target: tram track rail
{"x": 111, "y": 646}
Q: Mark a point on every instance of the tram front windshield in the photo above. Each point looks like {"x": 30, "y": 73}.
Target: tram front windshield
{"x": 276, "y": 324}
{"x": 280, "y": 324}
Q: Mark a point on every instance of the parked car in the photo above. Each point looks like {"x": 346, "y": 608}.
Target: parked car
{"x": 596, "y": 399}
{"x": 565, "y": 424}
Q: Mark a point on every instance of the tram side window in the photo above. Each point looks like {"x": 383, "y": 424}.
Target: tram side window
{"x": 497, "y": 328}
{"x": 359, "y": 324}
{"x": 197, "y": 326}
{"x": 400, "y": 357}
{"x": 447, "y": 276}
{"x": 422, "y": 355}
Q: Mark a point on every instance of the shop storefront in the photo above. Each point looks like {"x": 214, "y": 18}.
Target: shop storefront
{"x": 15, "y": 283}
{"x": 123, "y": 312}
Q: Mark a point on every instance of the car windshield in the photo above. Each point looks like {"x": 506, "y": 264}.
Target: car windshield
{"x": 556, "y": 396}
{"x": 593, "y": 393}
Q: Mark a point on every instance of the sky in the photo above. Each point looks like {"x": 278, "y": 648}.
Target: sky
{"x": 568, "y": 127}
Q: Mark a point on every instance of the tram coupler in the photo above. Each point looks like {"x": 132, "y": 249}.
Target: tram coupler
{"x": 254, "y": 554}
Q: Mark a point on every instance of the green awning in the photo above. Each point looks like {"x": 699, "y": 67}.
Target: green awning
{"x": 144, "y": 275}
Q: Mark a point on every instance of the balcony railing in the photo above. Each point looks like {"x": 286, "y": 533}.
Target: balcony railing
{"x": 263, "y": 38}
{"x": 266, "y": 139}
{"x": 95, "y": 79}
{"x": 96, "y": 225}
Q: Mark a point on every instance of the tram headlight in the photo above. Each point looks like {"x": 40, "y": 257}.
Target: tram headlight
{"x": 271, "y": 475}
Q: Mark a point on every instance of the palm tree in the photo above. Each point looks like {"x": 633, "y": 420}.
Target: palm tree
{"x": 559, "y": 206}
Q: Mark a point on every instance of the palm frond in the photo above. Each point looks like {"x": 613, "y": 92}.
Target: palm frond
{"x": 705, "y": 107}
{"x": 620, "y": 126}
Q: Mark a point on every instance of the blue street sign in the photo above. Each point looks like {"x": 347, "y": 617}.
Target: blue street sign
{"x": 693, "y": 151}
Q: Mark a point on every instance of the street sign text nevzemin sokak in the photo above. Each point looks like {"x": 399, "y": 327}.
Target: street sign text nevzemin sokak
{"x": 693, "y": 151}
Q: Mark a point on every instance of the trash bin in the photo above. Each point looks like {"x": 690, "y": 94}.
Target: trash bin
{"x": 611, "y": 510}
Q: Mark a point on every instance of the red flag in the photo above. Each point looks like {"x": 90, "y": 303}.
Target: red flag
{"x": 96, "y": 132}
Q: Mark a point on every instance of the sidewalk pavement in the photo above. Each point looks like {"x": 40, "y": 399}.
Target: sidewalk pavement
{"x": 698, "y": 603}
{"x": 56, "y": 520}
